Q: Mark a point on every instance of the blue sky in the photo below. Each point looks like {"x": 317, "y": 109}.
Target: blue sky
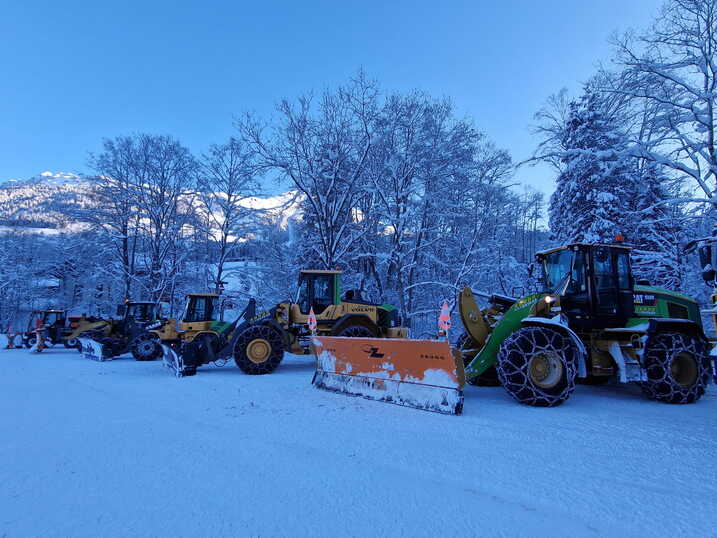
{"x": 75, "y": 72}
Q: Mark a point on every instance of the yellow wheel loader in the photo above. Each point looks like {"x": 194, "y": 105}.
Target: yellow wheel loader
{"x": 258, "y": 344}
{"x": 198, "y": 320}
{"x": 591, "y": 321}
{"x": 104, "y": 339}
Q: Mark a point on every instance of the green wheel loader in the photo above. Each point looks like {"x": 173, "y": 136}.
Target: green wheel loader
{"x": 591, "y": 323}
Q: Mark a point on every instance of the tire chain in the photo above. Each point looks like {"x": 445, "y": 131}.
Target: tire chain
{"x": 659, "y": 352}
{"x": 514, "y": 360}
{"x": 251, "y": 333}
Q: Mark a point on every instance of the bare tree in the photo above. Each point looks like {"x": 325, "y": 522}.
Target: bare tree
{"x": 115, "y": 210}
{"x": 164, "y": 170}
{"x": 323, "y": 151}
{"x": 226, "y": 181}
{"x": 673, "y": 68}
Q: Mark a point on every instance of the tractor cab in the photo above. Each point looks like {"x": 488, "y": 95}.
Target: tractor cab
{"x": 318, "y": 290}
{"x": 200, "y": 308}
{"x": 593, "y": 281}
{"x": 49, "y": 319}
{"x": 54, "y": 318}
{"x": 139, "y": 311}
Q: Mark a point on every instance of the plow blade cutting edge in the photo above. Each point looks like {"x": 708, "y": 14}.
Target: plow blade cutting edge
{"x": 417, "y": 373}
{"x": 173, "y": 361}
{"x": 93, "y": 350}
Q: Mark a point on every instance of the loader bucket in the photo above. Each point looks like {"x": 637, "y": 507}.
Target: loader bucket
{"x": 417, "y": 373}
{"x": 91, "y": 349}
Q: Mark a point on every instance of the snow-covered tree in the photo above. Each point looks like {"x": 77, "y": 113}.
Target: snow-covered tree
{"x": 590, "y": 202}
{"x": 672, "y": 69}
{"x": 114, "y": 212}
{"x": 226, "y": 182}
{"x": 658, "y": 228}
{"x": 322, "y": 149}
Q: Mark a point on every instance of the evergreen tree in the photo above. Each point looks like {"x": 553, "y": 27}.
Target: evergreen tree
{"x": 595, "y": 184}
{"x": 658, "y": 229}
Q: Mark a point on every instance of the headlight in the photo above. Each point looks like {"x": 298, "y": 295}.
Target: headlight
{"x": 549, "y": 299}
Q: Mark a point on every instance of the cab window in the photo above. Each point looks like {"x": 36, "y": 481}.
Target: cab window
{"x": 323, "y": 292}
{"x": 302, "y": 295}
{"x": 52, "y": 318}
{"x": 604, "y": 270}
{"x": 578, "y": 279}
{"x": 556, "y": 268}
{"x": 200, "y": 309}
{"x": 139, "y": 311}
{"x": 623, "y": 270}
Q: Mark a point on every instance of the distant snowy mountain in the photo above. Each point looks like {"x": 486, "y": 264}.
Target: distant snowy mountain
{"x": 46, "y": 178}
{"x": 46, "y": 203}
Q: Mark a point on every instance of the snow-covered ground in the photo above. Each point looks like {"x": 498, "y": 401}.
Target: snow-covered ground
{"x": 123, "y": 448}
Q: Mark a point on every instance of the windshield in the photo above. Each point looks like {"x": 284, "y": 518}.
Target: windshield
{"x": 556, "y": 268}
{"x": 200, "y": 308}
{"x": 564, "y": 272}
{"x": 53, "y": 318}
{"x": 302, "y": 294}
{"x": 141, "y": 312}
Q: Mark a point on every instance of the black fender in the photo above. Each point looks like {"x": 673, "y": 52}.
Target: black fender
{"x": 581, "y": 354}
{"x": 354, "y": 319}
{"x": 676, "y": 325}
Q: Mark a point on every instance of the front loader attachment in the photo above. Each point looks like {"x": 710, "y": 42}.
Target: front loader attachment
{"x": 94, "y": 350}
{"x": 423, "y": 374}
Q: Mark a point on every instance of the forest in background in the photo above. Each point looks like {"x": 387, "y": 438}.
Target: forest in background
{"x": 411, "y": 199}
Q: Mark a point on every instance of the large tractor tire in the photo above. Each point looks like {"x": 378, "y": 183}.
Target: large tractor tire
{"x": 489, "y": 378}
{"x": 538, "y": 366}
{"x": 259, "y": 349}
{"x": 71, "y": 343}
{"x": 356, "y": 331}
{"x": 146, "y": 347}
{"x": 31, "y": 341}
{"x": 678, "y": 368}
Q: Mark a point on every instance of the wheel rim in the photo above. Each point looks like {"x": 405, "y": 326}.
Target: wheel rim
{"x": 683, "y": 369}
{"x": 545, "y": 369}
{"x": 145, "y": 348}
{"x": 258, "y": 350}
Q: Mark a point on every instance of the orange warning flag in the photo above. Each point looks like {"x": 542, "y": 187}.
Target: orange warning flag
{"x": 444, "y": 320}
{"x": 312, "y": 320}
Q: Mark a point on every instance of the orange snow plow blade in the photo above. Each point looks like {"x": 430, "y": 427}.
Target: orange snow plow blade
{"x": 417, "y": 373}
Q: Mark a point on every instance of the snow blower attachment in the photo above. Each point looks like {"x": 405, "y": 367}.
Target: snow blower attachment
{"x": 424, "y": 374}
